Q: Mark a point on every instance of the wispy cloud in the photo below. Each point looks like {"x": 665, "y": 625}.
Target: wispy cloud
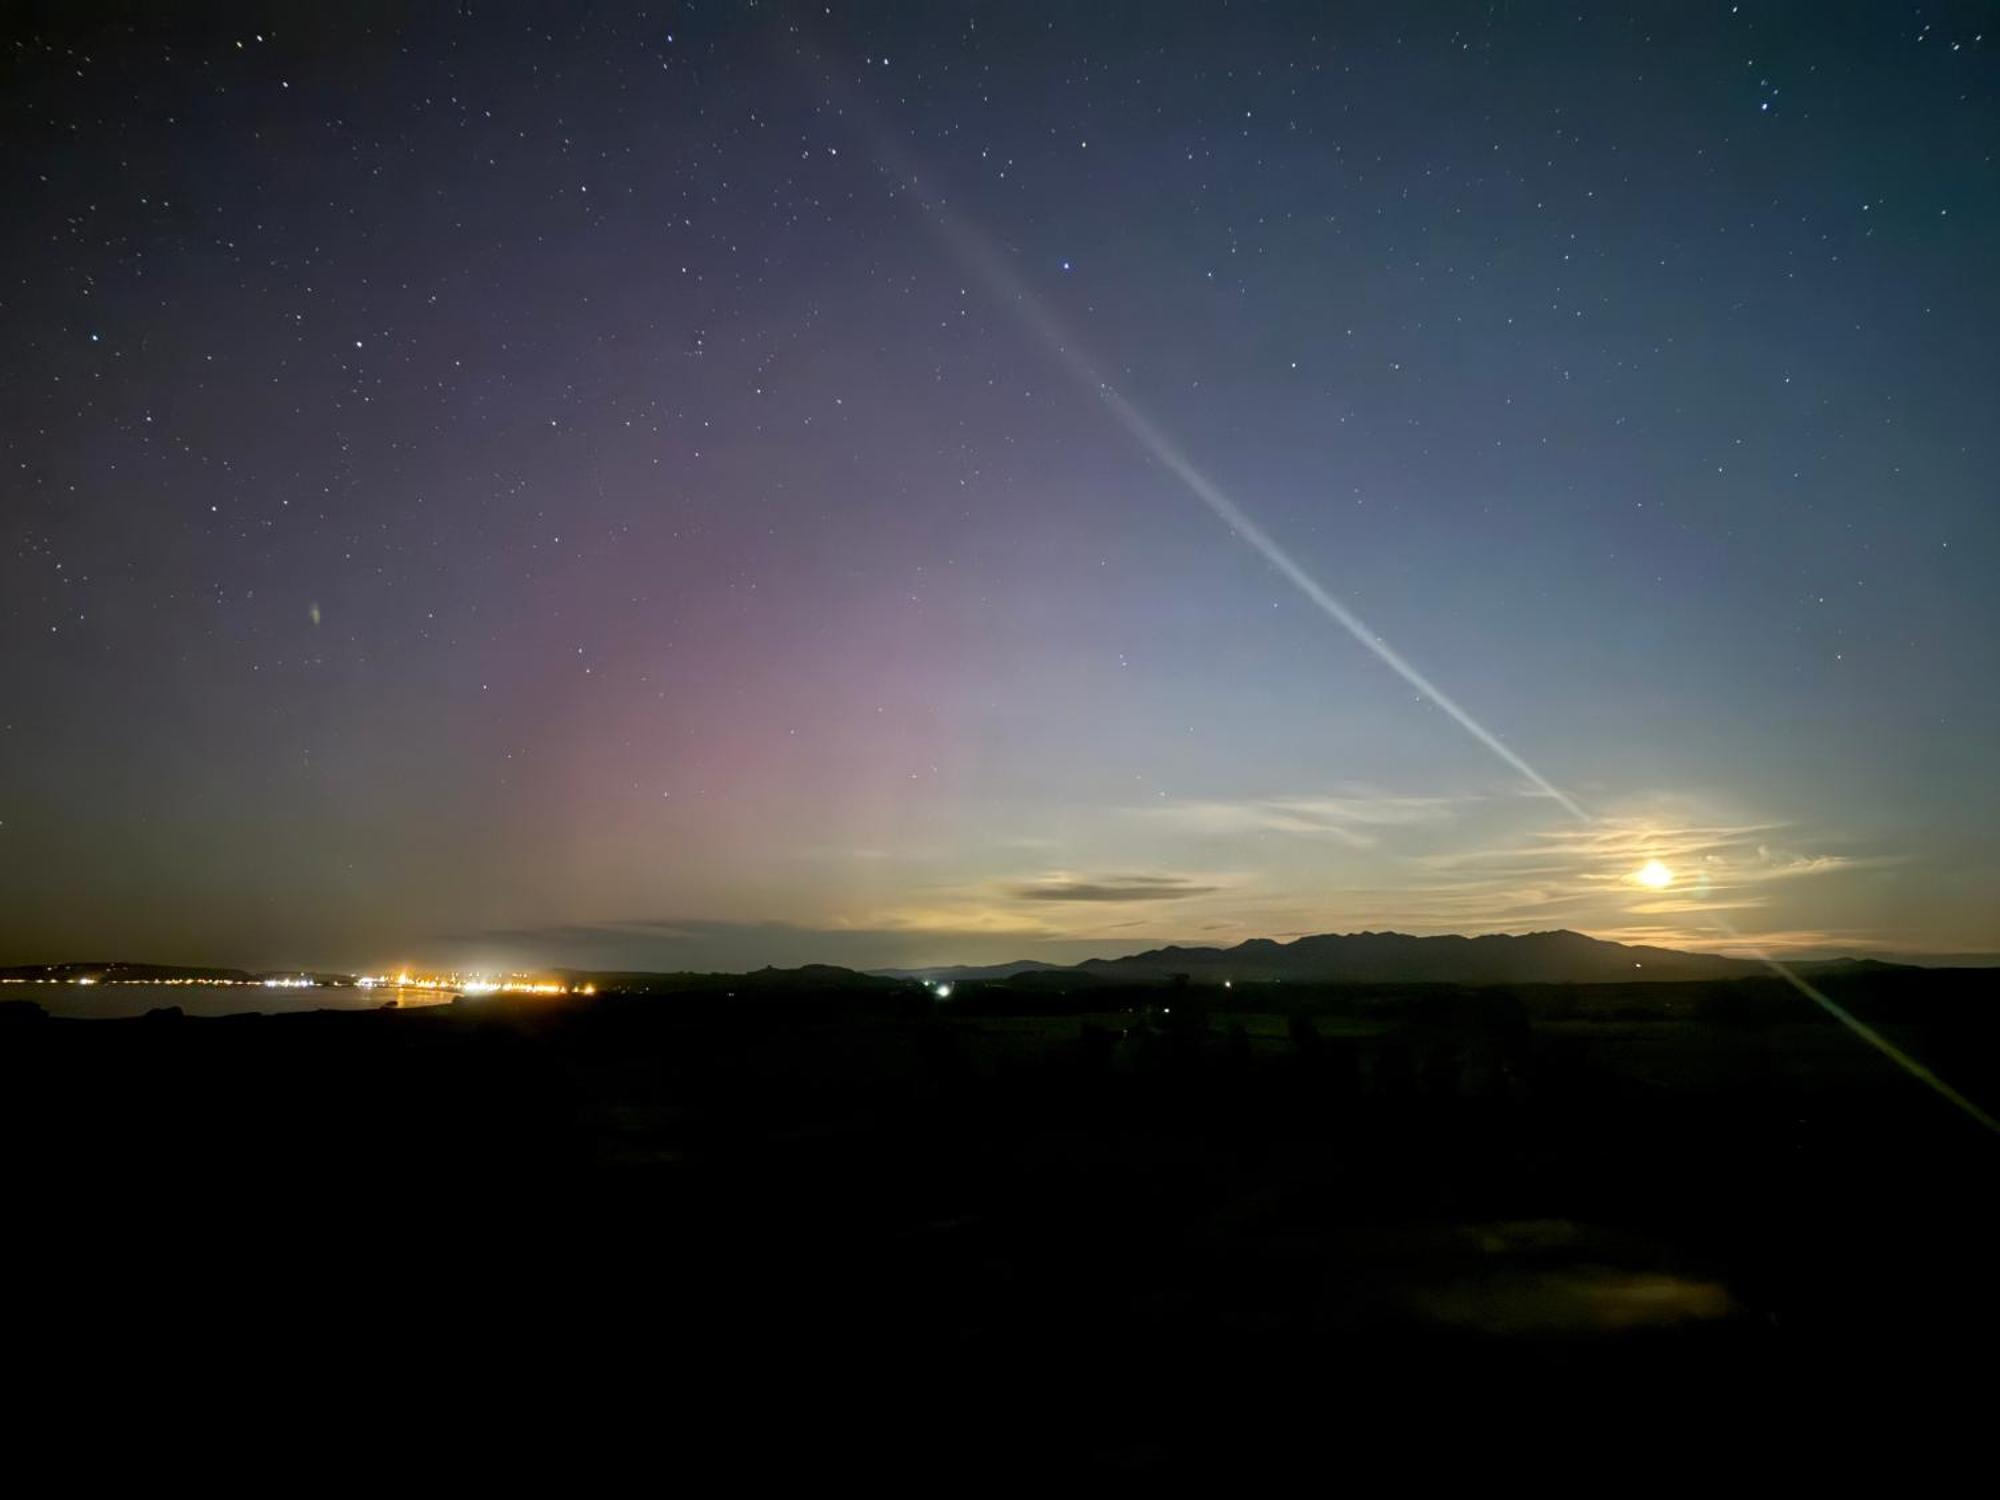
{"x": 1590, "y": 877}
{"x": 1113, "y": 888}
{"x": 1350, "y": 815}
{"x": 1791, "y": 942}
{"x": 1611, "y": 843}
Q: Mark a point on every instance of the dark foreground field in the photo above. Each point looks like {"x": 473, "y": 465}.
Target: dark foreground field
{"x": 853, "y": 1232}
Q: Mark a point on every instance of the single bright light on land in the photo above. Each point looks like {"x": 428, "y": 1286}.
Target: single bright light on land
{"x": 1654, "y": 875}
{"x": 942, "y": 991}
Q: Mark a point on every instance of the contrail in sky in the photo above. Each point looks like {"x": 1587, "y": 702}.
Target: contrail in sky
{"x": 986, "y": 261}
{"x": 1002, "y": 280}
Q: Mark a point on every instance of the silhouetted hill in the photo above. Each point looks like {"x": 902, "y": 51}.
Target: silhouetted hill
{"x": 1560, "y": 957}
{"x": 969, "y": 973}
{"x": 1939, "y": 961}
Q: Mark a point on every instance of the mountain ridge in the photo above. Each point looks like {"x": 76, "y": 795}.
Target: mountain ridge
{"x": 1555, "y": 956}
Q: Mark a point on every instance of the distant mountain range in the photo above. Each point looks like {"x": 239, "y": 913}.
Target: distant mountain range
{"x": 1560, "y": 957}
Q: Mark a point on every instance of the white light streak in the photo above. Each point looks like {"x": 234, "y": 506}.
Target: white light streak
{"x": 980, "y": 256}
{"x": 1000, "y": 277}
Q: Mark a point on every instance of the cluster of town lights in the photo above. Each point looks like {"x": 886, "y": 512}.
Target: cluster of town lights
{"x": 459, "y": 984}
{"x": 148, "y": 983}
{"x": 473, "y": 984}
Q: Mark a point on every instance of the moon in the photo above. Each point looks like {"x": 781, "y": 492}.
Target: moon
{"x": 1654, "y": 875}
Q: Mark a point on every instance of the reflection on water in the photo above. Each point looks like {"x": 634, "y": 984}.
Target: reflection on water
{"x": 108, "y": 1001}
{"x": 400, "y": 996}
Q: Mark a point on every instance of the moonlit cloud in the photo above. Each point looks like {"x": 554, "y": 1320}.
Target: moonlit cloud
{"x": 1352, "y": 817}
{"x": 1586, "y": 876}
{"x": 1115, "y": 888}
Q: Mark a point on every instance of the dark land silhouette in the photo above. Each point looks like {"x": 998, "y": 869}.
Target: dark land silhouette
{"x": 1053, "y": 1226}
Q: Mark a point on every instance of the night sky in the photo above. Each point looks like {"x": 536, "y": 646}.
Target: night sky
{"x": 660, "y": 487}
